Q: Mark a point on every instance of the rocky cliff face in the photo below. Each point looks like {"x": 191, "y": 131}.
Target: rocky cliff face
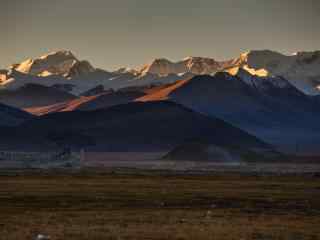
{"x": 3, "y": 75}
{"x": 79, "y": 68}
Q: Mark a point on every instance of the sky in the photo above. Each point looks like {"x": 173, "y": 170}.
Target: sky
{"x": 128, "y": 33}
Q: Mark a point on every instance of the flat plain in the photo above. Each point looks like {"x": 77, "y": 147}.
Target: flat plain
{"x": 130, "y": 204}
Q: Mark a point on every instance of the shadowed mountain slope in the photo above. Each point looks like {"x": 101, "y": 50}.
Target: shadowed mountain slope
{"x": 10, "y": 116}
{"x": 134, "y": 126}
{"x": 101, "y": 100}
{"x": 268, "y": 107}
{"x": 33, "y": 95}
{"x": 90, "y": 103}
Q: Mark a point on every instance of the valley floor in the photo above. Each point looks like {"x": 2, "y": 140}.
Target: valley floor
{"x": 127, "y": 204}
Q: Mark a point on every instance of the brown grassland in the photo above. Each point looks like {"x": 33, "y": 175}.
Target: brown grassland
{"x": 157, "y": 205}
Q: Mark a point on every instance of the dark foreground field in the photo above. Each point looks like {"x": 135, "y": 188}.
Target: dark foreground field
{"x": 96, "y": 206}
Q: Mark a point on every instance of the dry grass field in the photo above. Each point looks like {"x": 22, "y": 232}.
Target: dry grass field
{"x": 142, "y": 205}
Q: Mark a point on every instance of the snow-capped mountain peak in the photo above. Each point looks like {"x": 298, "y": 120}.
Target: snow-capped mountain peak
{"x": 61, "y": 62}
{"x": 159, "y": 66}
{"x": 300, "y": 69}
{"x": 194, "y": 65}
{"x": 261, "y": 79}
{"x": 63, "y": 70}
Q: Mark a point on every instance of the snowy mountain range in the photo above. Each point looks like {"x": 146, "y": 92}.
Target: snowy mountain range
{"x": 64, "y": 71}
{"x": 269, "y": 95}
